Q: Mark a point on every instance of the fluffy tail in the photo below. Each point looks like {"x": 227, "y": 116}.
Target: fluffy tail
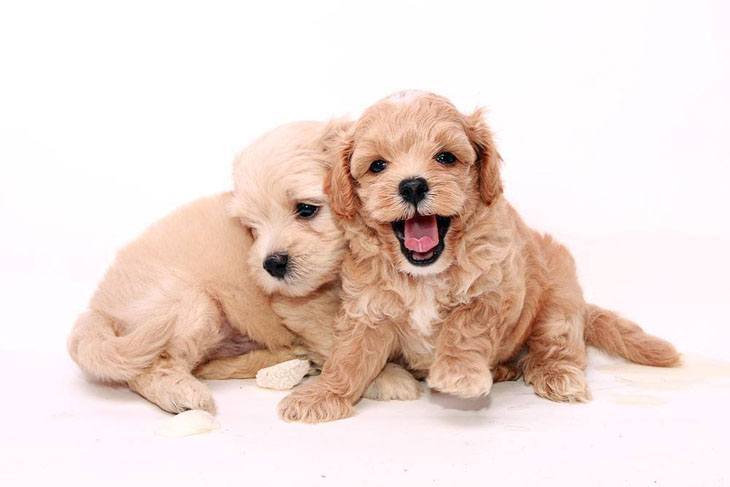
{"x": 618, "y": 336}
{"x": 99, "y": 352}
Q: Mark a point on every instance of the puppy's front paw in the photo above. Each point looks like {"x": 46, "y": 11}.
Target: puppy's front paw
{"x": 455, "y": 377}
{"x": 393, "y": 384}
{"x": 313, "y": 404}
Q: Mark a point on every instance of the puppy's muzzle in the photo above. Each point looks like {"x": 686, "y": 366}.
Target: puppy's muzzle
{"x": 277, "y": 265}
{"x": 413, "y": 190}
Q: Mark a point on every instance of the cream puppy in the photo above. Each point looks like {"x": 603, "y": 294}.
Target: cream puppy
{"x": 228, "y": 284}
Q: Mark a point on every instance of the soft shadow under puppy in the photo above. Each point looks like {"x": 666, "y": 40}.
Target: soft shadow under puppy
{"x": 467, "y": 412}
{"x": 447, "y": 401}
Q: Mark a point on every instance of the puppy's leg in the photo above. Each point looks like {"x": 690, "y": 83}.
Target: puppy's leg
{"x": 556, "y": 360}
{"x": 393, "y": 383}
{"x": 358, "y": 358}
{"x": 169, "y": 385}
{"x": 242, "y": 366}
{"x": 556, "y": 357}
{"x": 169, "y": 382}
{"x": 463, "y": 353}
{"x": 260, "y": 325}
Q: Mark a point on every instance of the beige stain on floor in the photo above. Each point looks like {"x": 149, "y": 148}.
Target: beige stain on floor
{"x": 695, "y": 371}
{"x": 637, "y": 400}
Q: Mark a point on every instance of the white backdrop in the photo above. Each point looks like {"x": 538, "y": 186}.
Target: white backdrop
{"x": 612, "y": 119}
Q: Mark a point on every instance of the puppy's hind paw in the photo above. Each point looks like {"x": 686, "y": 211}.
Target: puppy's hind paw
{"x": 313, "y": 404}
{"x": 559, "y": 382}
{"x": 187, "y": 395}
{"x": 394, "y": 383}
{"x": 175, "y": 393}
{"x": 506, "y": 372}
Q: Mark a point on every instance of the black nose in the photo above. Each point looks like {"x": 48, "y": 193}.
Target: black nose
{"x": 413, "y": 190}
{"x": 276, "y": 264}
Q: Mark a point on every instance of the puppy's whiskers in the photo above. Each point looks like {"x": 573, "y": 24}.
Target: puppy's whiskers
{"x": 294, "y": 272}
{"x": 406, "y": 210}
{"x": 426, "y": 207}
{"x": 297, "y": 272}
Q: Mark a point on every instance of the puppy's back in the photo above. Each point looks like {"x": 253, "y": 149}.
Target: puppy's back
{"x": 198, "y": 244}
{"x": 193, "y": 257}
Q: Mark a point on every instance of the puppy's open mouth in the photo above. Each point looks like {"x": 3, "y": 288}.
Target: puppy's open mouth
{"x": 421, "y": 238}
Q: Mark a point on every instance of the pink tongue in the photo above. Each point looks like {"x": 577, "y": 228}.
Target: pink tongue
{"x": 421, "y": 233}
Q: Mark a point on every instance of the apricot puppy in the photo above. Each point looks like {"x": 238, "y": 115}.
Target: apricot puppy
{"x": 443, "y": 272}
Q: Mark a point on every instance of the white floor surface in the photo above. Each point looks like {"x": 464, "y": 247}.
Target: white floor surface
{"x": 645, "y": 426}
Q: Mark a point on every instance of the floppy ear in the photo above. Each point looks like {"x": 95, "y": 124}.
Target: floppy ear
{"x": 488, "y": 159}
{"x": 333, "y": 133}
{"x": 339, "y": 184}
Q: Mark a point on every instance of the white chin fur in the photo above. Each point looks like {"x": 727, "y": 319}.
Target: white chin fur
{"x": 295, "y": 289}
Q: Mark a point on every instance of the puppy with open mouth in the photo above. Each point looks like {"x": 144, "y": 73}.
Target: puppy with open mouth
{"x": 442, "y": 272}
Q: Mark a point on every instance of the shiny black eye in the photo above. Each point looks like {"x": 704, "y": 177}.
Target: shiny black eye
{"x": 306, "y": 211}
{"x": 445, "y": 158}
{"x": 377, "y": 166}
